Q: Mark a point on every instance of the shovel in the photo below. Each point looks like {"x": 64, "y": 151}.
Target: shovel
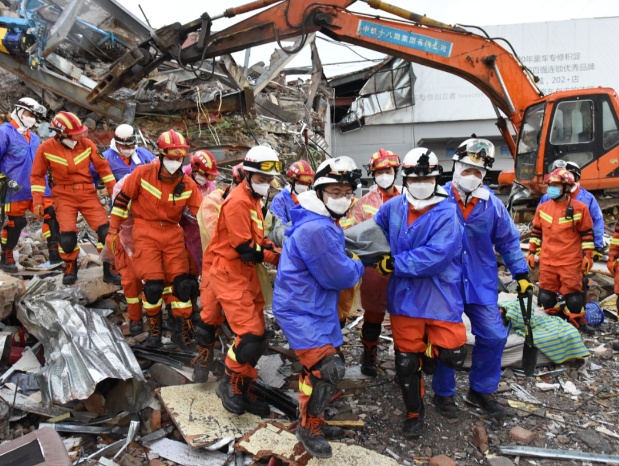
{"x": 529, "y": 351}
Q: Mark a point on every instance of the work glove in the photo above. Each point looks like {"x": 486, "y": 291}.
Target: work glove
{"x": 110, "y": 240}
{"x": 597, "y": 254}
{"x": 612, "y": 264}
{"x": 352, "y": 255}
{"x": 385, "y": 265}
{"x": 39, "y": 211}
{"x": 250, "y": 252}
{"x": 531, "y": 260}
{"x": 587, "y": 263}
{"x": 524, "y": 283}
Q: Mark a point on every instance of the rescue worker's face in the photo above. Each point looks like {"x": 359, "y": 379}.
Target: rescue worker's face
{"x": 337, "y": 198}
{"x": 385, "y": 171}
{"x": 471, "y": 171}
{"x": 385, "y": 177}
{"x": 261, "y": 178}
{"x": 421, "y": 187}
{"x": 172, "y": 164}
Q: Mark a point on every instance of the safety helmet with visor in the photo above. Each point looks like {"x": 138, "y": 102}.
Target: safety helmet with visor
{"x": 172, "y": 144}
{"x": 338, "y": 171}
{"x": 68, "y": 126}
{"x": 262, "y": 159}
{"x": 476, "y": 152}
{"x": 204, "y": 163}
{"x": 381, "y": 160}
{"x": 28, "y": 103}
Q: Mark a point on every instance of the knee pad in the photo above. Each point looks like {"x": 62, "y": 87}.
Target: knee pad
{"x": 153, "y": 290}
{"x": 13, "y": 228}
{"x": 547, "y": 299}
{"x": 574, "y": 302}
{"x": 250, "y": 348}
{"x": 407, "y": 364}
{"x": 452, "y": 358}
{"x": 185, "y": 286}
{"x": 370, "y": 331}
{"x": 331, "y": 368}
{"x": 102, "y": 232}
{"x": 428, "y": 364}
{"x": 67, "y": 241}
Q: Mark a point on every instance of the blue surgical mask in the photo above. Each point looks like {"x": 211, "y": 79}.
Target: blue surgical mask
{"x": 554, "y": 192}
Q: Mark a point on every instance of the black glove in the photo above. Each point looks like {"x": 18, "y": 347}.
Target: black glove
{"x": 385, "y": 265}
{"x": 249, "y": 252}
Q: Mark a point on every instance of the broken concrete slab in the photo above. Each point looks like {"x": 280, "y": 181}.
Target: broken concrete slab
{"x": 199, "y": 415}
{"x": 272, "y": 439}
{"x": 24, "y": 403}
{"x": 90, "y": 281}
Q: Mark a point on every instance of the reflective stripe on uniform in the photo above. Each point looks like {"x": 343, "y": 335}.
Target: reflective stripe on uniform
{"x": 180, "y": 304}
{"x": 231, "y": 354}
{"x": 35, "y": 188}
{"x": 545, "y": 216}
{"x": 150, "y": 188}
{"x": 536, "y": 241}
{"x": 122, "y": 213}
{"x": 146, "y": 305}
{"x": 56, "y": 159}
{"x": 614, "y": 242}
{"x": 167, "y": 290}
{"x": 368, "y": 209}
{"x": 576, "y": 218}
{"x": 184, "y": 195}
{"x": 588, "y": 245}
{"x": 305, "y": 388}
{"x": 254, "y": 217}
{"x": 83, "y": 156}
{"x": 108, "y": 178}
{"x": 132, "y": 300}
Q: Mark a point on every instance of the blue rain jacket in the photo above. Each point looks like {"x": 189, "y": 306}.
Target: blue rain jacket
{"x": 118, "y": 166}
{"x": 427, "y": 278}
{"x": 281, "y": 205}
{"x": 312, "y": 270}
{"x": 596, "y": 214}
{"x": 16, "y": 157}
{"x": 488, "y": 225}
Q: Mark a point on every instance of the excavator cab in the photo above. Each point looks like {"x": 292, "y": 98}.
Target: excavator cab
{"x": 580, "y": 127}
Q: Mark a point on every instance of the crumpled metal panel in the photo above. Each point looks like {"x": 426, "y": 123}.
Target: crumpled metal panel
{"x": 81, "y": 347}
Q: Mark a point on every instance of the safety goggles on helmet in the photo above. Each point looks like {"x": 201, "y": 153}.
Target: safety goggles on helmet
{"x": 352, "y": 177}
{"x": 477, "y": 150}
{"x": 382, "y": 160}
{"x": 179, "y": 152}
{"x": 264, "y": 166}
{"x": 422, "y": 167}
{"x": 38, "y": 110}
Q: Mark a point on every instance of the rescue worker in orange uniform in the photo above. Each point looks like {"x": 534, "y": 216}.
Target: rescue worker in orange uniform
{"x": 563, "y": 228}
{"x": 158, "y": 193}
{"x": 237, "y": 245}
{"x": 314, "y": 268}
{"x": 18, "y": 145}
{"x": 67, "y": 158}
{"x": 383, "y": 168}
{"x": 613, "y": 265}
{"x": 211, "y": 314}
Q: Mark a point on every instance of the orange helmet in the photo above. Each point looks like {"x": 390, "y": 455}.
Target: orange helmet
{"x": 172, "y": 144}
{"x": 68, "y": 125}
{"x": 203, "y": 161}
{"x": 561, "y": 175}
{"x": 237, "y": 173}
{"x": 301, "y": 171}
{"x": 383, "y": 159}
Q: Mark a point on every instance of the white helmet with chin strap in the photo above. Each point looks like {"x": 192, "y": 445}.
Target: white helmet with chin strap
{"x": 26, "y": 103}
{"x": 124, "y": 135}
{"x": 338, "y": 170}
{"x": 262, "y": 159}
{"x": 421, "y": 162}
{"x": 476, "y": 152}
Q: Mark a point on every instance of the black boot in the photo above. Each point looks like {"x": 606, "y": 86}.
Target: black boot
{"x": 370, "y": 333}
{"x": 330, "y": 432}
{"x": 205, "y": 343}
{"x": 408, "y": 369}
{"x": 110, "y": 274}
{"x": 135, "y": 328}
{"x": 413, "y": 425}
{"x": 70, "y": 272}
{"x": 154, "y": 332}
{"x": 7, "y": 261}
{"x": 230, "y": 391}
{"x": 313, "y": 439}
{"x": 54, "y": 255}
{"x": 487, "y": 402}
{"x": 183, "y": 334}
{"x": 446, "y": 406}
{"x": 253, "y": 404}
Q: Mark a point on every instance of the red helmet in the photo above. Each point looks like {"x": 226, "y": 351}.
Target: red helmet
{"x": 172, "y": 144}
{"x": 561, "y": 175}
{"x": 67, "y": 124}
{"x": 383, "y": 159}
{"x": 203, "y": 161}
{"x": 301, "y": 171}
{"x": 237, "y": 172}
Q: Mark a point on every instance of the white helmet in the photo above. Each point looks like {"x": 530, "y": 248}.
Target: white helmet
{"x": 339, "y": 170}
{"x": 124, "y": 135}
{"x": 27, "y": 103}
{"x": 420, "y": 162}
{"x": 262, "y": 159}
{"x": 476, "y": 152}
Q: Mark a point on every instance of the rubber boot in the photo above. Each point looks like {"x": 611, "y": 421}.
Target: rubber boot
{"x": 408, "y": 368}
{"x": 312, "y": 437}
{"x": 253, "y": 404}
{"x": 70, "y": 272}
{"x": 205, "y": 343}
{"x": 110, "y": 274}
{"x": 7, "y": 261}
{"x": 154, "y": 336}
{"x": 369, "y": 358}
{"x": 413, "y": 424}
{"x": 54, "y": 255}
{"x": 135, "y": 328}
{"x": 230, "y": 391}
{"x": 183, "y": 334}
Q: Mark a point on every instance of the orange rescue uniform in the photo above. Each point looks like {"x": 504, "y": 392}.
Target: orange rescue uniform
{"x": 613, "y": 255}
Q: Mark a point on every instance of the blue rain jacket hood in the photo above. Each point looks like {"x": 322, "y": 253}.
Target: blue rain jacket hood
{"x": 488, "y": 225}
{"x": 312, "y": 270}
{"x": 427, "y": 277}
{"x": 281, "y": 205}
{"x": 16, "y": 158}
{"x": 117, "y": 163}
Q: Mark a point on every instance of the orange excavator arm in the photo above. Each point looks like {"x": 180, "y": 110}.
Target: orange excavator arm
{"x": 475, "y": 58}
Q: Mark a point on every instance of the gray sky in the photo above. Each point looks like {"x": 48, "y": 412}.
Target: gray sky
{"x": 472, "y": 12}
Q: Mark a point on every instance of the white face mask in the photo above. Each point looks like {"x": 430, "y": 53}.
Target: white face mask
{"x": 261, "y": 189}
{"x": 200, "y": 179}
{"x": 28, "y": 122}
{"x": 385, "y": 180}
{"x": 339, "y": 206}
{"x": 469, "y": 183}
{"x": 70, "y": 143}
{"x": 300, "y": 188}
{"x": 126, "y": 153}
{"x": 172, "y": 166}
{"x": 421, "y": 189}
